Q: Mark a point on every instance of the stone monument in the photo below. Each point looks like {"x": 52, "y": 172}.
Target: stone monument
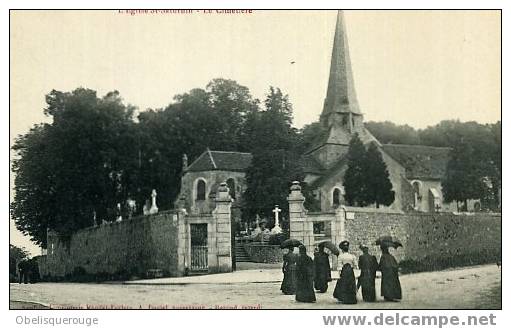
{"x": 276, "y": 229}
{"x": 154, "y": 208}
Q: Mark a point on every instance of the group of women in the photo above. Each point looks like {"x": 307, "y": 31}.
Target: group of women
{"x": 302, "y": 274}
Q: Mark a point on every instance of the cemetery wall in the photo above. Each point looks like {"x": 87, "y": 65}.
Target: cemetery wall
{"x": 437, "y": 241}
{"x": 128, "y": 248}
{"x": 430, "y": 240}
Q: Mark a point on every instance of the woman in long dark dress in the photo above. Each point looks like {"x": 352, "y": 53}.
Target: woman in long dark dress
{"x": 304, "y": 277}
{"x": 390, "y": 285}
{"x": 322, "y": 273}
{"x": 368, "y": 266}
{"x": 346, "y": 288}
{"x": 288, "y": 285}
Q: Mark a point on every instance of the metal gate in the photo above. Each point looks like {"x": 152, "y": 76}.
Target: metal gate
{"x": 199, "y": 247}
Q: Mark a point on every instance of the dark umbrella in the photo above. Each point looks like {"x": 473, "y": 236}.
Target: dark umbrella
{"x": 330, "y": 246}
{"x": 290, "y": 243}
{"x": 388, "y": 241}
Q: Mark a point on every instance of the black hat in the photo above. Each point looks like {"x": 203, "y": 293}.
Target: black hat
{"x": 344, "y": 244}
{"x": 363, "y": 247}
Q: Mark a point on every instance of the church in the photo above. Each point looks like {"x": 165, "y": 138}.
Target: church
{"x": 415, "y": 171}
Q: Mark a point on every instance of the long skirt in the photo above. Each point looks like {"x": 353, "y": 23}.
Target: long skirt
{"x": 305, "y": 290}
{"x": 346, "y": 288}
{"x": 321, "y": 284}
{"x": 288, "y": 285}
{"x": 366, "y": 280}
{"x": 390, "y": 285}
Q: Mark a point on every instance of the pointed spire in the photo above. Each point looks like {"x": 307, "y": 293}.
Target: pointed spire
{"x": 340, "y": 96}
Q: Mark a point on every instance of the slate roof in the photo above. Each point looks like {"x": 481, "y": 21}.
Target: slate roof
{"x": 330, "y": 173}
{"x": 340, "y": 136}
{"x": 420, "y": 162}
{"x": 341, "y": 96}
{"x": 310, "y": 165}
{"x": 221, "y": 160}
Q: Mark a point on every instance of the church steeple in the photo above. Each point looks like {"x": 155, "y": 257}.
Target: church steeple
{"x": 341, "y": 116}
{"x": 341, "y": 105}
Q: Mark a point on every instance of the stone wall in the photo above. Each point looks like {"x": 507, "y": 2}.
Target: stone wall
{"x": 366, "y": 225}
{"x": 431, "y": 237}
{"x": 131, "y": 247}
{"x": 264, "y": 253}
{"x": 437, "y": 240}
{"x": 430, "y": 240}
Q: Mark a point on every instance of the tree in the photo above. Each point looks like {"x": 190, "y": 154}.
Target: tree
{"x": 465, "y": 177}
{"x": 76, "y": 168}
{"x": 366, "y": 180}
{"x": 201, "y": 118}
{"x": 355, "y": 176}
{"x": 310, "y": 134}
{"x": 389, "y": 133}
{"x": 232, "y": 103}
{"x": 94, "y": 156}
{"x": 379, "y": 187}
{"x": 268, "y": 181}
{"x": 275, "y": 163}
{"x": 16, "y": 254}
{"x": 271, "y": 129}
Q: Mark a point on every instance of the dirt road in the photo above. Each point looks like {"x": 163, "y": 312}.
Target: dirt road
{"x": 464, "y": 288}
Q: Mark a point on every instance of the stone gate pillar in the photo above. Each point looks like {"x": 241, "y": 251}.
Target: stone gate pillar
{"x": 299, "y": 227}
{"x": 222, "y": 234}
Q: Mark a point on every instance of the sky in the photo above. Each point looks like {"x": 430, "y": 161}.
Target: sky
{"x": 409, "y": 67}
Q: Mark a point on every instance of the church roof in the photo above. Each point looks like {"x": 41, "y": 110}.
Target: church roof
{"x": 420, "y": 162}
{"x": 341, "y": 96}
{"x": 330, "y": 172}
{"x": 221, "y": 160}
{"x": 339, "y": 136}
{"x": 311, "y": 166}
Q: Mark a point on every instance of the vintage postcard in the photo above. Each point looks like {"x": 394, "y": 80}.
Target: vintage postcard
{"x": 256, "y": 159}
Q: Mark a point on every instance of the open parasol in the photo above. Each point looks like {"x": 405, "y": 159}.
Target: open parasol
{"x": 290, "y": 243}
{"x": 388, "y": 241}
{"x": 330, "y": 246}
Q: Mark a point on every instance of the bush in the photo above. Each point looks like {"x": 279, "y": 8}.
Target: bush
{"x": 79, "y": 274}
{"x": 435, "y": 263}
{"x": 277, "y": 239}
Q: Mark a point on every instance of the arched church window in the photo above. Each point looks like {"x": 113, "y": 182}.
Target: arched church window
{"x": 231, "y": 184}
{"x": 344, "y": 120}
{"x": 336, "y": 197}
{"x": 416, "y": 188}
{"x": 353, "y": 122}
{"x": 416, "y": 185}
{"x": 201, "y": 190}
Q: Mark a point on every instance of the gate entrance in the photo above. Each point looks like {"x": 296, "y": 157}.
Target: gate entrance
{"x": 199, "y": 247}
